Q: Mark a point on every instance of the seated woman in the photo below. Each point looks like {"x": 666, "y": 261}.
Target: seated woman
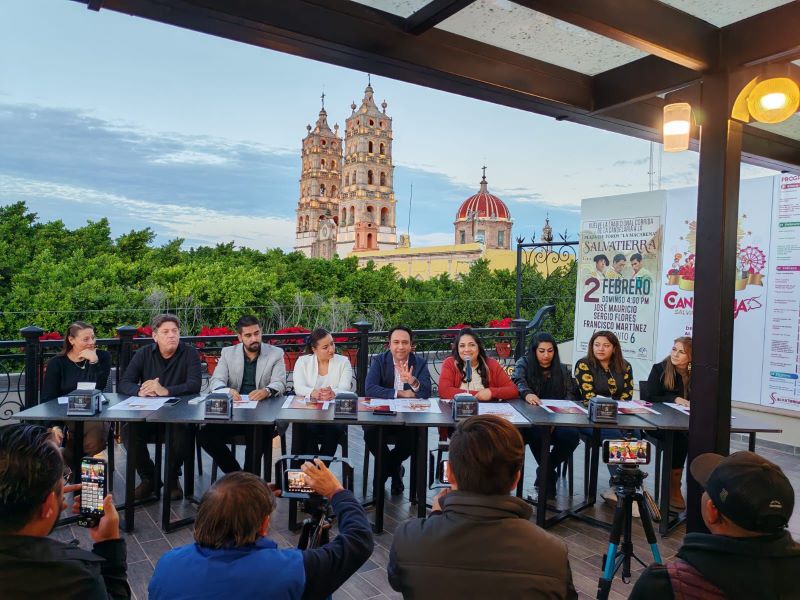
{"x": 670, "y": 381}
{"x": 320, "y": 374}
{"x": 603, "y": 372}
{"x": 79, "y": 361}
{"x": 489, "y": 379}
{"x": 541, "y": 375}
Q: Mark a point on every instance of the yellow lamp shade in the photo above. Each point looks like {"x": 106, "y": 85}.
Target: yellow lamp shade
{"x": 774, "y": 100}
{"x": 677, "y": 126}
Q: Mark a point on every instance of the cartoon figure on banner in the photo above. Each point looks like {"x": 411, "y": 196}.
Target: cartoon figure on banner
{"x": 753, "y": 261}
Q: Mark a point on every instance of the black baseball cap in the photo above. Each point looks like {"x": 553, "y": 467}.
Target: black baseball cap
{"x": 747, "y": 488}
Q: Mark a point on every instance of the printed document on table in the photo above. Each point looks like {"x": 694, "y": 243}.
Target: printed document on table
{"x": 245, "y": 402}
{"x": 678, "y": 407}
{"x": 141, "y": 403}
{"x": 305, "y": 403}
{"x": 506, "y": 411}
{"x": 563, "y": 407}
{"x": 634, "y": 408}
{"x": 404, "y": 405}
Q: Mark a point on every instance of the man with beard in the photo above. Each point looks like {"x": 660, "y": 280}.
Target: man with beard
{"x": 251, "y": 368}
{"x": 32, "y": 490}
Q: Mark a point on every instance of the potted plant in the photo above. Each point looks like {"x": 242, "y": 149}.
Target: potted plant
{"x": 350, "y": 353}
{"x": 211, "y": 360}
{"x": 290, "y": 356}
{"x": 502, "y": 347}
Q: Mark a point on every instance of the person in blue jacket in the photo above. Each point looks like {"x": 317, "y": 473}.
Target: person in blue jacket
{"x": 396, "y": 373}
{"x": 232, "y": 557}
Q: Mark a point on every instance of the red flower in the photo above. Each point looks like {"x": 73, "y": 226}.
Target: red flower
{"x": 298, "y": 340}
{"x": 211, "y": 331}
{"x": 343, "y": 338}
{"x": 145, "y": 331}
{"x": 687, "y": 272}
{"x": 501, "y": 324}
{"x": 50, "y": 335}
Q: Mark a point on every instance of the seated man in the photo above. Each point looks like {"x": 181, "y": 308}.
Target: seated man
{"x": 479, "y": 542}
{"x": 233, "y": 557}
{"x": 251, "y": 368}
{"x": 166, "y": 368}
{"x": 32, "y": 490}
{"x": 749, "y": 554}
{"x": 396, "y": 373}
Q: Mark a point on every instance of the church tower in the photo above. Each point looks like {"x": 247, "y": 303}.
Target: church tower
{"x": 367, "y": 204}
{"x": 320, "y": 188}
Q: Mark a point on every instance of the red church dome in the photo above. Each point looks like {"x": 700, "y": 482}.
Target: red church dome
{"x": 483, "y": 205}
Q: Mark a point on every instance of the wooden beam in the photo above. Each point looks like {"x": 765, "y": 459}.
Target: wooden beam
{"x": 433, "y": 13}
{"x": 648, "y": 25}
{"x": 638, "y": 80}
{"x": 770, "y": 36}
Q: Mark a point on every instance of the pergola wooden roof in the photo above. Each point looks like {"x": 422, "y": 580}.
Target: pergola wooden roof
{"x": 610, "y": 64}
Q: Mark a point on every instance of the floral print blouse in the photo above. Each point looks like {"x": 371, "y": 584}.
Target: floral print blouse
{"x": 597, "y": 381}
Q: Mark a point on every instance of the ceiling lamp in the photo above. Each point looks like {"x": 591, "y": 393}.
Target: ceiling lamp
{"x": 677, "y": 126}
{"x": 773, "y": 100}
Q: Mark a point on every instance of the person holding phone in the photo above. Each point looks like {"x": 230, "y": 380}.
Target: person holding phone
{"x": 671, "y": 381}
{"x": 540, "y": 374}
{"x": 233, "y": 557}
{"x": 78, "y": 362}
{"x": 32, "y": 489}
{"x": 320, "y": 374}
{"x": 488, "y": 381}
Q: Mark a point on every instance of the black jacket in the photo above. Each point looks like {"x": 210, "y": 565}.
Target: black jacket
{"x": 62, "y": 375}
{"x": 763, "y": 568}
{"x": 657, "y": 391}
{"x": 479, "y": 547}
{"x": 38, "y": 567}
{"x": 528, "y": 384}
{"x": 181, "y": 374}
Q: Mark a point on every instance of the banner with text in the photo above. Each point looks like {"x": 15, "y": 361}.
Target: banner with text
{"x": 617, "y": 288}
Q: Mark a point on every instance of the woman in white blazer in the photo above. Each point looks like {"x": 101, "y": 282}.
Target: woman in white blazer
{"x": 320, "y": 374}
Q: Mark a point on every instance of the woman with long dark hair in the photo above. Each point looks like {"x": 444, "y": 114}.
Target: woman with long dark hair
{"x": 320, "y": 374}
{"x": 670, "y": 381}
{"x": 488, "y": 381}
{"x": 540, "y": 375}
{"x": 79, "y": 361}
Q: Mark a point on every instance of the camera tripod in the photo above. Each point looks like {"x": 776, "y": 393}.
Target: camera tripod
{"x": 315, "y": 531}
{"x": 627, "y": 483}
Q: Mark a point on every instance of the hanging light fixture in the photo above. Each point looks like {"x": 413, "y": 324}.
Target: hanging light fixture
{"x": 677, "y": 126}
{"x": 773, "y": 100}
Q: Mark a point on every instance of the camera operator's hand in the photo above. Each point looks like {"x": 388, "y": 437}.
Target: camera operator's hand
{"x": 108, "y": 527}
{"x": 437, "y": 500}
{"x": 320, "y": 478}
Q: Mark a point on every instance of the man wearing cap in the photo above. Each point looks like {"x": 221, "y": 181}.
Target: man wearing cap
{"x": 746, "y": 505}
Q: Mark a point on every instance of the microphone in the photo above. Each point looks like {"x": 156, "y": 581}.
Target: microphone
{"x": 468, "y": 370}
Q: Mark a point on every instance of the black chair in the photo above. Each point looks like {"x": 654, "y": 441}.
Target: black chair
{"x": 241, "y": 440}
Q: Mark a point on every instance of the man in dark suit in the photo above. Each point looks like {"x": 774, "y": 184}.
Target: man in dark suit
{"x": 396, "y": 373}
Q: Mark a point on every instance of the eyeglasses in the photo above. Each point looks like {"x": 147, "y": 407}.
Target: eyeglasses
{"x": 67, "y": 475}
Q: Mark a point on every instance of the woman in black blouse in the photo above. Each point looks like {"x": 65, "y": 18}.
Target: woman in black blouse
{"x": 78, "y": 361}
{"x": 540, "y": 375}
{"x": 670, "y": 381}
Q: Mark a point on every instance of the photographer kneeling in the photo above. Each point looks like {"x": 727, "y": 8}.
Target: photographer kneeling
{"x": 233, "y": 558}
{"x": 479, "y": 542}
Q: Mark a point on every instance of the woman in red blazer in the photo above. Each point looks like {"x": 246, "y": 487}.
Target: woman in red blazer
{"x": 489, "y": 379}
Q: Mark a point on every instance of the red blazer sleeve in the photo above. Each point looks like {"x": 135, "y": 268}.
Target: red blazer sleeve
{"x": 450, "y": 379}
{"x": 500, "y": 383}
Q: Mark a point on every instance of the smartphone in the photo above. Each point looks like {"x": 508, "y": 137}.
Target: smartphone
{"x": 172, "y": 402}
{"x": 443, "y": 471}
{"x": 297, "y": 483}
{"x": 626, "y": 452}
{"x": 94, "y": 488}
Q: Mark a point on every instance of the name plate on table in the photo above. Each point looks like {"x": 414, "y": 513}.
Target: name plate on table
{"x": 464, "y": 406}
{"x": 602, "y": 410}
{"x": 345, "y": 406}
{"x": 219, "y": 405}
{"x": 84, "y": 402}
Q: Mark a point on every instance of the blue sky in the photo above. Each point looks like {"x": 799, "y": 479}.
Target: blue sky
{"x": 198, "y": 137}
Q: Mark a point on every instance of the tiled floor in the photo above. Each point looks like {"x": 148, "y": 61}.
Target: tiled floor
{"x": 586, "y": 543}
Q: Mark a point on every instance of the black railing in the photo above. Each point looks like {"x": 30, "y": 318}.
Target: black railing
{"x": 550, "y": 255}
{"x": 22, "y": 369}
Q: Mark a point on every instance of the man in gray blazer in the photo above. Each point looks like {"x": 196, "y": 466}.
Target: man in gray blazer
{"x": 251, "y": 368}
